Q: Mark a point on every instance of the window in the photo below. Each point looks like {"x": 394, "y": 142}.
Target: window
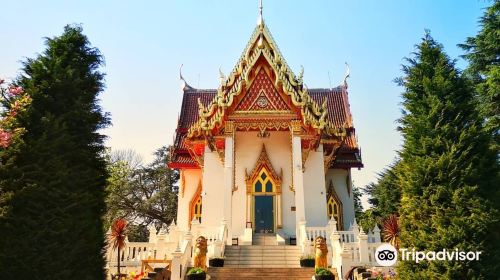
{"x": 334, "y": 210}
{"x": 263, "y": 183}
{"x": 197, "y": 209}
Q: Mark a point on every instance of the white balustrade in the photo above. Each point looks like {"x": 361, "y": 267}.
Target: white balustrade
{"x": 168, "y": 244}
{"x": 314, "y": 232}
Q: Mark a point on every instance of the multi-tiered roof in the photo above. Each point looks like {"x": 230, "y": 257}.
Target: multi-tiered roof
{"x": 262, "y": 93}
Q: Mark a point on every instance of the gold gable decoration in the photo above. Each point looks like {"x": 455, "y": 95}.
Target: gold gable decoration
{"x": 263, "y": 162}
{"x": 334, "y": 206}
{"x": 195, "y": 205}
{"x": 262, "y": 44}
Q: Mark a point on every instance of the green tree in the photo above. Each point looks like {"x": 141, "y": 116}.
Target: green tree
{"x": 142, "y": 194}
{"x": 483, "y": 54}
{"x": 52, "y": 184}
{"x": 384, "y": 197}
{"x": 385, "y": 194}
{"x": 448, "y": 174}
{"x": 358, "y": 207}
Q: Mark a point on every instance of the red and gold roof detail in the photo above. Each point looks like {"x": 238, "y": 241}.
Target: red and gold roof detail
{"x": 262, "y": 97}
{"x": 262, "y": 93}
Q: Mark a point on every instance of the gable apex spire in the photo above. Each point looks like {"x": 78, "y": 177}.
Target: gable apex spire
{"x": 260, "y": 20}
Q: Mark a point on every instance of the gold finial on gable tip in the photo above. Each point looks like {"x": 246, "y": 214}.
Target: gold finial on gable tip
{"x": 260, "y": 20}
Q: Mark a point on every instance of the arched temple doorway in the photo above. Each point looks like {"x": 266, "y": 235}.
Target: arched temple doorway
{"x": 263, "y": 196}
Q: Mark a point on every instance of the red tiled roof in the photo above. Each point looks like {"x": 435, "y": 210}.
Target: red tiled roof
{"x": 337, "y": 104}
{"x": 338, "y": 113}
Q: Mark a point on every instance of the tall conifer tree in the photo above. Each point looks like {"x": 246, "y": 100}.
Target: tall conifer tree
{"x": 447, "y": 172}
{"x": 385, "y": 194}
{"x": 52, "y": 186}
{"x": 483, "y": 54}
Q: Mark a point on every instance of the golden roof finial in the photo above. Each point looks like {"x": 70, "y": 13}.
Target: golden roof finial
{"x": 260, "y": 20}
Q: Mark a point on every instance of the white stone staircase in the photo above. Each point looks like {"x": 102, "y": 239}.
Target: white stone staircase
{"x": 264, "y": 253}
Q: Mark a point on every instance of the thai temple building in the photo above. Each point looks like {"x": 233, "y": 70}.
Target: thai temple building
{"x": 263, "y": 151}
{"x": 265, "y": 169}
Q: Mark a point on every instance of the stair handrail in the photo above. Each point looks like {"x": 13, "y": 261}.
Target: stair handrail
{"x": 224, "y": 236}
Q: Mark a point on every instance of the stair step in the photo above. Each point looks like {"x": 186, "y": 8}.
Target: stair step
{"x": 262, "y": 256}
{"x": 224, "y": 273}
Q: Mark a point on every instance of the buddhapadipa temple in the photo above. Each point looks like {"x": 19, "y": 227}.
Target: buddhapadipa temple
{"x": 264, "y": 152}
{"x": 265, "y": 178}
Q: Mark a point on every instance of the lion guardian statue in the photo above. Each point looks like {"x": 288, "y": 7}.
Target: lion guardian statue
{"x": 200, "y": 253}
{"x": 321, "y": 252}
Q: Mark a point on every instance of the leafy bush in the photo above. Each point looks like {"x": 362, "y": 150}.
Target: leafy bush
{"x": 196, "y": 270}
{"x": 307, "y": 257}
{"x": 323, "y": 272}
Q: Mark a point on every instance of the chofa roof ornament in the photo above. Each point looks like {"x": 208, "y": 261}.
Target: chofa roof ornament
{"x": 184, "y": 85}
{"x": 347, "y": 74}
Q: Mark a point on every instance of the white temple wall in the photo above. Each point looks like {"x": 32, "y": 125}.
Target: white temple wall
{"x": 192, "y": 178}
{"x": 247, "y": 150}
{"x": 314, "y": 189}
{"x": 340, "y": 178}
{"x": 212, "y": 187}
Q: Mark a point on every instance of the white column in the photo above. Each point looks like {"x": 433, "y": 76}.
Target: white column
{"x": 249, "y": 209}
{"x": 298, "y": 179}
{"x": 228, "y": 185}
{"x": 363, "y": 247}
{"x": 278, "y": 212}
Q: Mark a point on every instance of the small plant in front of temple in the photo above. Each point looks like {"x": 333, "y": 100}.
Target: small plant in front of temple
{"x": 391, "y": 231}
{"x": 307, "y": 261}
{"x": 196, "y": 273}
{"x": 216, "y": 262}
{"x": 117, "y": 238}
{"x": 323, "y": 274}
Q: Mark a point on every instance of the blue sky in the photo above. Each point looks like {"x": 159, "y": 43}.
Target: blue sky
{"x": 144, "y": 43}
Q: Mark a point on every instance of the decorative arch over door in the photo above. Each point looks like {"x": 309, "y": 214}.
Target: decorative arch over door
{"x": 195, "y": 205}
{"x": 334, "y": 206}
{"x": 264, "y": 181}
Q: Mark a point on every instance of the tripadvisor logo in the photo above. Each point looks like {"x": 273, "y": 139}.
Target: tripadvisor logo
{"x": 387, "y": 255}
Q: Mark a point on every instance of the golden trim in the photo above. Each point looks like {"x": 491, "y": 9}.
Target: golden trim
{"x": 262, "y": 112}
{"x": 262, "y": 126}
{"x": 194, "y": 200}
{"x": 199, "y": 158}
{"x": 229, "y": 128}
{"x": 331, "y": 194}
{"x": 295, "y": 127}
{"x": 263, "y": 162}
{"x": 262, "y": 44}
{"x": 183, "y": 183}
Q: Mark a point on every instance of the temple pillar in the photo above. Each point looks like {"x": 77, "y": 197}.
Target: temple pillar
{"x": 298, "y": 179}
{"x": 279, "y": 224}
{"x": 228, "y": 184}
{"x": 249, "y": 209}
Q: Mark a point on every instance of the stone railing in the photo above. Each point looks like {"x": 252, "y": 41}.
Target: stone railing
{"x": 347, "y": 248}
{"x": 168, "y": 244}
{"x": 354, "y": 248}
{"x": 181, "y": 257}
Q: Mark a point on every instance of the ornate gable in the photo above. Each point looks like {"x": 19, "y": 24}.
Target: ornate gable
{"x": 262, "y": 50}
{"x": 262, "y": 96}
